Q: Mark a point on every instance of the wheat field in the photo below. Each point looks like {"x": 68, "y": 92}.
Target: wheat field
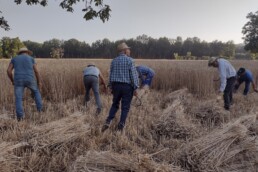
{"x": 180, "y": 126}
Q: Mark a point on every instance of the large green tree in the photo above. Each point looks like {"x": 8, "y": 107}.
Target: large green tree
{"x": 10, "y": 46}
{"x": 250, "y": 31}
{"x": 93, "y": 9}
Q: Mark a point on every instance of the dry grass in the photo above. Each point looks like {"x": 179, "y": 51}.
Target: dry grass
{"x": 184, "y": 130}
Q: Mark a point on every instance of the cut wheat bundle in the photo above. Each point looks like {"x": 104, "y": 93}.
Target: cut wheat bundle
{"x": 174, "y": 122}
{"x": 221, "y": 147}
{"x": 57, "y": 133}
{"x": 109, "y": 162}
{"x": 209, "y": 113}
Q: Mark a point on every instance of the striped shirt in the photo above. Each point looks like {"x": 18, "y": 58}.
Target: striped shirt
{"x": 226, "y": 71}
{"x": 123, "y": 70}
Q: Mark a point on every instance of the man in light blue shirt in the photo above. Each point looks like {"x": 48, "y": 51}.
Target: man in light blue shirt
{"x": 91, "y": 76}
{"x": 227, "y": 78}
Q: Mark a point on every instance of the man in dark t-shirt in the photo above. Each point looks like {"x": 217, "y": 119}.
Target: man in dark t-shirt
{"x": 244, "y": 75}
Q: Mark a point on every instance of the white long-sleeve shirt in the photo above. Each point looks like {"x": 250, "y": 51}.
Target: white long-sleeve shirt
{"x": 226, "y": 70}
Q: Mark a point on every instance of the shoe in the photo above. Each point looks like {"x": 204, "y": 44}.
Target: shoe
{"x": 98, "y": 111}
{"x": 105, "y": 127}
{"x": 120, "y": 127}
{"x": 226, "y": 108}
{"x": 19, "y": 119}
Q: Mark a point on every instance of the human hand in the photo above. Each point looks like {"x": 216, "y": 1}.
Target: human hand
{"x": 105, "y": 89}
{"x": 40, "y": 85}
{"x": 219, "y": 92}
{"x": 135, "y": 93}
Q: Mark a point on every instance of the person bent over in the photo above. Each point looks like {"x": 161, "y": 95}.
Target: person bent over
{"x": 244, "y": 75}
{"x": 91, "y": 76}
{"x": 227, "y": 78}
{"x": 146, "y": 75}
{"x": 25, "y": 70}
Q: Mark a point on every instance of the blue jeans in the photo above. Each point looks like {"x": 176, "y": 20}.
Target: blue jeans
{"x": 124, "y": 92}
{"x": 92, "y": 82}
{"x": 147, "y": 80}
{"x": 19, "y": 86}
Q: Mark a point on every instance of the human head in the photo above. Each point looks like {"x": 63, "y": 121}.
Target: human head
{"x": 91, "y": 64}
{"x": 24, "y": 50}
{"x": 123, "y": 48}
{"x": 213, "y": 61}
{"x": 241, "y": 71}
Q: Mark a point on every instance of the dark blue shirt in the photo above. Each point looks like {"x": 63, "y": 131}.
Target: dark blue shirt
{"x": 144, "y": 71}
{"x": 248, "y": 79}
{"x": 23, "y": 67}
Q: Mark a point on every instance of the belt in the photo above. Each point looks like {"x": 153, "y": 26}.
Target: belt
{"x": 90, "y": 75}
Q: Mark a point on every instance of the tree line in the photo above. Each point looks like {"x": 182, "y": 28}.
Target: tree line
{"x": 142, "y": 46}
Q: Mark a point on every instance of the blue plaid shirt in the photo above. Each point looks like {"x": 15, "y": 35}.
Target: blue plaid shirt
{"x": 123, "y": 70}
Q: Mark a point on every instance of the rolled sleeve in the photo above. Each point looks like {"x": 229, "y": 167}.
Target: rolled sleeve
{"x": 134, "y": 76}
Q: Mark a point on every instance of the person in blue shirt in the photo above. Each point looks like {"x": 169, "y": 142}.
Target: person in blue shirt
{"x": 227, "y": 78}
{"x": 123, "y": 81}
{"x": 146, "y": 75}
{"x": 25, "y": 70}
{"x": 244, "y": 75}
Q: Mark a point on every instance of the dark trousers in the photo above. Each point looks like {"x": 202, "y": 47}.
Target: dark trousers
{"x": 121, "y": 92}
{"x": 228, "y": 92}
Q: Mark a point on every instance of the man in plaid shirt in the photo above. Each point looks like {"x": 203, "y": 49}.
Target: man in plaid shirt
{"x": 123, "y": 81}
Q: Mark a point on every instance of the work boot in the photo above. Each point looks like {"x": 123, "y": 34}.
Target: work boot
{"x": 19, "y": 119}
{"x": 226, "y": 108}
{"x": 104, "y": 127}
{"x": 98, "y": 111}
{"x": 120, "y": 127}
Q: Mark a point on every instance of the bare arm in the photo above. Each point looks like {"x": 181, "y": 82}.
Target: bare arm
{"x": 37, "y": 74}
{"x": 9, "y": 72}
{"x": 254, "y": 87}
{"x": 102, "y": 81}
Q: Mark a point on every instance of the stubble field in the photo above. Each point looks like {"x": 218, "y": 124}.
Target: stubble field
{"x": 180, "y": 126}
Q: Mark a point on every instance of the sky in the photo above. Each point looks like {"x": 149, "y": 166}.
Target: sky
{"x": 208, "y": 20}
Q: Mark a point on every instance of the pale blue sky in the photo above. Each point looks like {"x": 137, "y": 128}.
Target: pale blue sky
{"x": 207, "y": 19}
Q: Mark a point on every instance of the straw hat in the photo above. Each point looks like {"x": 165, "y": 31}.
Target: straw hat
{"x": 212, "y": 60}
{"x": 24, "y": 50}
{"x": 122, "y": 47}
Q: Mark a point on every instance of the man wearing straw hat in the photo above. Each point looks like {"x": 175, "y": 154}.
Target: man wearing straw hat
{"x": 91, "y": 81}
{"x": 123, "y": 81}
{"x": 25, "y": 70}
{"x": 227, "y": 78}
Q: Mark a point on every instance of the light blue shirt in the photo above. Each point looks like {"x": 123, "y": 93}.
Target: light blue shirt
{"x": 91, "y": 70}
{"x": 226, "y": 71}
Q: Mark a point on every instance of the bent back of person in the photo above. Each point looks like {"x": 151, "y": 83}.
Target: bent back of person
{"x": 23, "y": 67}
